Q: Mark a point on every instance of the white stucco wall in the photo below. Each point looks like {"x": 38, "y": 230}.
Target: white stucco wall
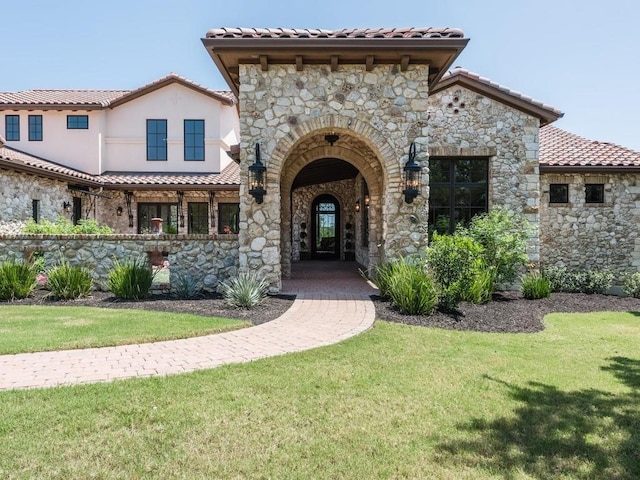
{"x": 75, "y": 148}
{"x": 125, "y": 136}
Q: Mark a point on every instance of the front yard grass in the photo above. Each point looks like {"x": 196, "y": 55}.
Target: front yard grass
{"x": 32, "y": 328}
{"x": 395, "y": 402}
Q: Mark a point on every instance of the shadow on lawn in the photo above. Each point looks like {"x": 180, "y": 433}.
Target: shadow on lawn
{"x": 581, "y": 434}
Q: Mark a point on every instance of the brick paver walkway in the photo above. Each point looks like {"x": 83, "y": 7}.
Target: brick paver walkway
{"x": 332, "y": 304}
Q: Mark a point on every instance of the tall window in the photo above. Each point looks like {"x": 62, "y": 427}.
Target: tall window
{"x": 198, "y": 214}
{"x": 194, "y": 140}
{"x": 156, "y": 139}
{"x": 228, "y": 217}
{"x": 458, "y": 191}
{"x": 35, "y": 210}
{"x": 75, "y": 122}
{"x": 168, "y": 212}
{"x": 35, "y": 128}
{"x": 12, "y": 127}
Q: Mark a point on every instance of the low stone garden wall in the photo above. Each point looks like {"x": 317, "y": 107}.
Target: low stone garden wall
{"x": 200, "y": 259}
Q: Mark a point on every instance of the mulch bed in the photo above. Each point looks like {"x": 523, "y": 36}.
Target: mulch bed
{"x": 509, "y": 312}
{"x": 209, "y": 305}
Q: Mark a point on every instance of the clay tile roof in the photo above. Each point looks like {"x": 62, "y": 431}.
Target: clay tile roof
{"x": 94, "y": 98}
{"x": 546, "y": 113}
{"x": 25, "y": 162}
{"x": 103, "y": 98}
{"x": 429, "y": 32}
{"x": 559, "y": 148}
{"x": 230, "y": 176}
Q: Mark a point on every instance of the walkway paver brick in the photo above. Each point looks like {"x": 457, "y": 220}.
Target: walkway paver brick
{"x": 332, "y": 304}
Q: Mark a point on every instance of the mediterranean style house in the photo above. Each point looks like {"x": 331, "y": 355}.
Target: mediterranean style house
{"x": 342, "y": 144}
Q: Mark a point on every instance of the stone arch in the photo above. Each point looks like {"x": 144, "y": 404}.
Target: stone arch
{"x": 360, "y": 145}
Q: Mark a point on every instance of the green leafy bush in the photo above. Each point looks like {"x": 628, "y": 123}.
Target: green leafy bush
{"x": 408, "y": 285}
{"x": 579, "y": 281}
{"x": 17, "y": 279}
{"x": 246, "y": 290}
{"x": 481, "y": 290}
{"x": 383, "y": 276}
{"x": 455, "y": 261}
{"x": 503, "y": 236}
{"x": 631, "y": 285}
{"x": 535, "y": 286}
{"x": 67, "y": 282}
{"x": 64, "y": 226}
{"x": 130, "y": 280}
{"x": 185, "y": 287}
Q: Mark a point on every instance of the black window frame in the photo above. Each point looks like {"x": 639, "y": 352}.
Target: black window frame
{"x": 559, "y": 193}
{"x": 226, "y": 219}
{"x": 170, "y": 218}
{"x": 194, "y": 141}
{"x": 74, "y": 122}
{"x": 35, "y": 128}
{"x": 452, "y": 185}
{"x": 591, "y": 192}
{"x": 12, "y": 128}
{"x": 157, "y": 140}
{"x": 199, "y": 218}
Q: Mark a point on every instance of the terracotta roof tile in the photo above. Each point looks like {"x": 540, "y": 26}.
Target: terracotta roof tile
{"x": 97, "y": 98}
{"x": 102, "y": 98}
{"x": 230, "y": 176}
{"x": 430, "y": 32}
{"x": 561, "y": 148}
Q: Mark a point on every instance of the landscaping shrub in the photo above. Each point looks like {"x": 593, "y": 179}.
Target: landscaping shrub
{"x": 455, "y": 261}
{"x": 411, "y": 288}
{"x": 185, "y": 287}
{"x": 503, "y": 236}
{"x": 481, "y": 289}
{"x": 64, "y": 226}
{"x": 383, "y": 276}
{"x": 67, "y": 282}
{"x": 631, "y": 285}
{"x": 17, "y": 279}
{"x": 535, "y": 286}
{"x": 130, "y": 280}
{"x": 246, "y": 290}
{"x": 579, "y": 281}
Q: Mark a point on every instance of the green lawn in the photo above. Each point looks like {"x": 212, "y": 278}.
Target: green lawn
{"x": 395, "y": 402}
{"x": 40, "y": 328}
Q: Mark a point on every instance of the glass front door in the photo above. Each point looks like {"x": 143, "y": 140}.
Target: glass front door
{"x": 326, "y": 228}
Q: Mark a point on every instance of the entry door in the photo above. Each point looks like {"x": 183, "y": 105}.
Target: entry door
{"x": 325, "y": 243}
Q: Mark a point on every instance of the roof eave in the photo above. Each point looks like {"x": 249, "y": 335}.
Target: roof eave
{"x": 546, "y": 115}
{"x": 41, "y": 172}
{"x": 51, "y": 106}
{"x": 589, "y": 168}
{"x": 184, "y": 186}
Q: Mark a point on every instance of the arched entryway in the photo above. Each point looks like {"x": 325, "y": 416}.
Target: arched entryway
{"x": 326, "y": 234}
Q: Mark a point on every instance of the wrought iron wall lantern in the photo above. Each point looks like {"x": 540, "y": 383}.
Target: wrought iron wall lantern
{"x": 66, "y": 206}
{"x": 180, "y": 194}
{"x": 128, "y": 196}
{"x": 331, "y": 138}
{"x": 119, "y": 211}
{"x": 357, "y": 205}
{"x": 411, "y": 180}
{"x": 257, "y": 178}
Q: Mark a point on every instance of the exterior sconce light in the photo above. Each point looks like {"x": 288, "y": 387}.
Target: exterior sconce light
{"x": 366, "y": 201}
{"x": 128, "y": 196}
{"x": 357, "y": 205}
{"x": 332, "y": 138}
{"x": 66, "y": 206}
{"x": 119, "y": 211}
{"x": 411, "y": 180}
{"x": 256, "y": 178}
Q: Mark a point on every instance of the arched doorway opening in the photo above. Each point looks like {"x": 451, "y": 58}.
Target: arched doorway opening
{"x": 325, "y": 228}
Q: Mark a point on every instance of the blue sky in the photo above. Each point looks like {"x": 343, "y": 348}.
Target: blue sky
{"x": 579, "y": 56}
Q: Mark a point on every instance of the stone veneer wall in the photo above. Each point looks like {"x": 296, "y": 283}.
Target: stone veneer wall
{"x": 602, "y": 236}
{"x": 281, "y": 107}
{"x": 465, "y": 123}
{"x": 18, "y": 190}
{"x": 303, "y": 198}
{"x": 200, "y": 258}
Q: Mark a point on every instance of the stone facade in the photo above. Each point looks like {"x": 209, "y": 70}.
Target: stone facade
{"x": 203, "y": 260}
{"x": 464, "y": 123}
{"x": 17, "y": 192}
{"x": 600, "y": 236}
{"x": 377, "y": 114}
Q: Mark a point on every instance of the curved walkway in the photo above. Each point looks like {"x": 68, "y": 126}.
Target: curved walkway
{"x": 332, "y": 304}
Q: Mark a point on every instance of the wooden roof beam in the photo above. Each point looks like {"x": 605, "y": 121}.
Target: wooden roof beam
{"x": 369, "y": 62}
{"x": 264, "y": 63}
{"x": 404, "y": 63}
